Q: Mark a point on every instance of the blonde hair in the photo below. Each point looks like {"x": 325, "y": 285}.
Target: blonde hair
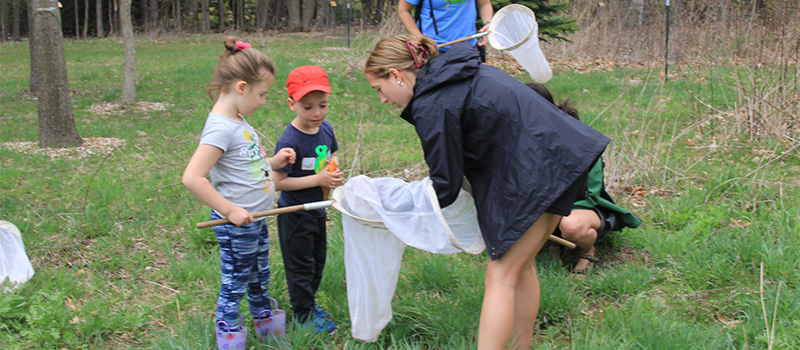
{"x": 238, "y": 64}
{"x": 395, "y": 52}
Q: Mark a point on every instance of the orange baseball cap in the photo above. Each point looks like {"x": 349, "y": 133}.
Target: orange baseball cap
{"x": 305, "y": 79}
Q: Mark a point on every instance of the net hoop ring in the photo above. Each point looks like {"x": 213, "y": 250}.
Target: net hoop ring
{"x": 498, "y": 18}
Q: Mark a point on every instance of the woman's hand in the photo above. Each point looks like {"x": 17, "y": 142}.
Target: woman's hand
{"x": 485, "y": 39}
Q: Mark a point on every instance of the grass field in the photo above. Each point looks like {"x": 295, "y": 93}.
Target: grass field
{"x": 709, "y": 160}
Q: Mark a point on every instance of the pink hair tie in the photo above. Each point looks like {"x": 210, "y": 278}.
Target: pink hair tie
{"x": 419, "y": 56}
{"x": 241, "y": 45}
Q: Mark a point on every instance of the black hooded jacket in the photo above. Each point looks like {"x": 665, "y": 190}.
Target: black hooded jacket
{"x": 518, "y": 151}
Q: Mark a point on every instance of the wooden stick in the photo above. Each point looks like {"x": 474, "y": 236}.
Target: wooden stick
{"x": 475, "y": 36}
{"x": 284, "y": 210}
{"x": 562, "y": 241}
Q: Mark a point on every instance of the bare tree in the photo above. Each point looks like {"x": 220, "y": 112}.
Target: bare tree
{"x": 34, "y": 81}
{"x": 262, "y": 14}
{"x": 239, "y": 13}
{"x": 221, "y": 9}
{"x": 206, "y": 15}
{"x": 77, "y": 21}
{"x": 277, "y": 12}
{"x": 15, "y": 26}
{"x": 309, "y": 7}
{"x": 56, "y": 124}
{"x": 113, "y": 11}
{"x": 3, "y": 23}
{"x": 294, "y": 15}
{"x": 86, "y": 19}
{"x": 98, "y": 9}
{"x": 321, "y": 18}
{"x": 177, "y": 14}
{"x": 126, "y": 27}
{"x": 152, "y": 16}
{"x": 191, "y": 15}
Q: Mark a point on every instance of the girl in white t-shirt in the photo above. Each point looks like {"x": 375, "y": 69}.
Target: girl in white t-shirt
{"x": 231, "y": 153}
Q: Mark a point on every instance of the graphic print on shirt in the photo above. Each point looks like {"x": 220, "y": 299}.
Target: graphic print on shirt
{"x": 256, "y": 153}
{"x": 323, "y": 154}
{"x": 453, "y": 3}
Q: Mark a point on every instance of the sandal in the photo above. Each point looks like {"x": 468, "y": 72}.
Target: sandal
{"x": 591, "y": 261}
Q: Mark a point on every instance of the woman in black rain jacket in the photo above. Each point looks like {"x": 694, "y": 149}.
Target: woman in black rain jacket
{"x": 525, "y": 160}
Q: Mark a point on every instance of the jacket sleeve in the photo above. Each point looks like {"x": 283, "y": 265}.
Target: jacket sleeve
{"x": 439, "y": 131}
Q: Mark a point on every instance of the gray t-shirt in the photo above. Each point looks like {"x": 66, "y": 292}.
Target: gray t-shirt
{"x": 240, "y": 175}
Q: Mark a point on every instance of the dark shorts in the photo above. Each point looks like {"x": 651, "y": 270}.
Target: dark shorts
{"x": 575, "y": 192}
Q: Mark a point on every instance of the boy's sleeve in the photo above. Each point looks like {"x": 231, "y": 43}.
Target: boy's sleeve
{"x": 440, "y": 135}
{"x": 334, "y": 143}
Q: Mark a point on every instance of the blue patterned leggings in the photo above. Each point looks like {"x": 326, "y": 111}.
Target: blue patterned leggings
{"x": 244, "y": 262}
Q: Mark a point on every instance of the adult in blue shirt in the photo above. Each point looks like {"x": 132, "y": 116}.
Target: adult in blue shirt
{"x": 446, "y": 20}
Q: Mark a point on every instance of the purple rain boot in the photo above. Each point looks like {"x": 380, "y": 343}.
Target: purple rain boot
{"x": 227, "y": 340}
{"x": 271, "y": 326}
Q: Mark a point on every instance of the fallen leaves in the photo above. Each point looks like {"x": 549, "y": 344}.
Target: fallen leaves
{"x": 91, "y": 146}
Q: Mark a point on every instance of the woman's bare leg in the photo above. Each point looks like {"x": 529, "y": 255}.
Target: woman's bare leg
{"x": 511, "y": 291}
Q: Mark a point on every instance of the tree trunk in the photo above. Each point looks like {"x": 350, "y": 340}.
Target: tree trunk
{"x": 262, "y": 14}
{"x": 309, "y": 7}
{"x": 294, "y": 15}
{"x": 15, "y": 26}
{"x": 126, "y": 27}
{"x": 112, "y": 12}
{"x": 86, "y": 18}
{"x": 236, "y": 11}
{"x": 143, "y": 16}
{"x": 277, "y": 13}
{"x": 152, "y": 16}
{"x": 206, "y": 15}
{"x": 240, "y": 8}
{"x": 221, "y": 9}
{"x": 379, "y": 14}
{"x": 98, "y": 9}
{"x": 320, "y": 23}
{"x": 34, "y": 81}
{"x": 191, "y": 15}
{"x": 56, "y": 124}
{"x": 178, "y": 23}
{"x": 3, "y": 23}
{"x": 77, "y": 20}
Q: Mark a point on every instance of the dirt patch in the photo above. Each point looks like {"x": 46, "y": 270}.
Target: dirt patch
{"x": 92, "y": 146}
{"x": 113, "y": 108}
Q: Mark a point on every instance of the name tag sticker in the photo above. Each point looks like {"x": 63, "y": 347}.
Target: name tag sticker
{"x": 308, "y": 163}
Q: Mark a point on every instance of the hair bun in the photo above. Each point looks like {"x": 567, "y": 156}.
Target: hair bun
{"x": 230, "y": 44}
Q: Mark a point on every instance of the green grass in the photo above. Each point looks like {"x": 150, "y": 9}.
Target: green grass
{"x": 120, "y": 265}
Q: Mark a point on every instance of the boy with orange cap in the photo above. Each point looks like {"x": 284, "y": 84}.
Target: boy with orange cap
{"x": 303, "y": 235}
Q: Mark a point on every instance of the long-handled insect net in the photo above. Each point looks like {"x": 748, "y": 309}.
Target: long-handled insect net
{"x": 514, "y": 30}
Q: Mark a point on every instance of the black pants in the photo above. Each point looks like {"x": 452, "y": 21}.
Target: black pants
{"x": 482, "y": 53}
{"x": 303, "y": 246}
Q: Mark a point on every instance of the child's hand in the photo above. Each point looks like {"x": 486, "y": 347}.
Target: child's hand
{"x": 330, "y": 179}
{"x": 238, "y": 216}
{"x": 284, "y": 156}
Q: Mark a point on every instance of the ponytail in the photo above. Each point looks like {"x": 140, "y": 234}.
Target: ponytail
{"x": 238, "y": 62}
{"x": 401, "y": 52}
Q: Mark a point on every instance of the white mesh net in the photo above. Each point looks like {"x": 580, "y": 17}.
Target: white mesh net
{"x": 514, "y": 30}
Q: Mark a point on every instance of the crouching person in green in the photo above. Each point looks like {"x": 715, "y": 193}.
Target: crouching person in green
{"x": 593, "y": 217}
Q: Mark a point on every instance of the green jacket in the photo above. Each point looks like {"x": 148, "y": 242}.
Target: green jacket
{"x": 599, "y": 198}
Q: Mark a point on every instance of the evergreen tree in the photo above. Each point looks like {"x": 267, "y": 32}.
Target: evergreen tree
{"x": 551, "y": 25}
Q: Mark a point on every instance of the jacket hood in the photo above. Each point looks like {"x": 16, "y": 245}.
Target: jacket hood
{"x": 459, "y": 63}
